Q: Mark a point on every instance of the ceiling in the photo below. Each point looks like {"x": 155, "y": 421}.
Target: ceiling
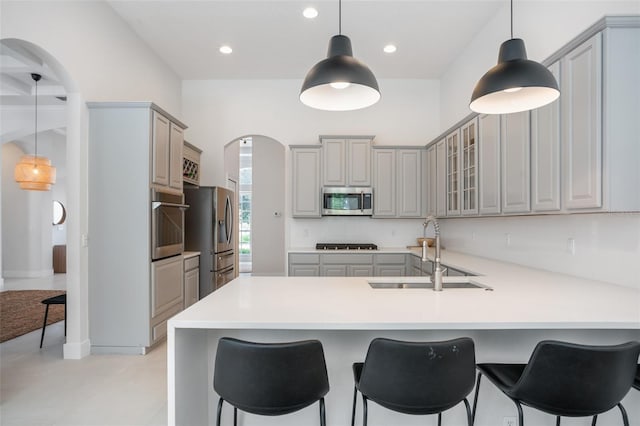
{"x": 271, "y": 39}
{"x": 17, "y": 88}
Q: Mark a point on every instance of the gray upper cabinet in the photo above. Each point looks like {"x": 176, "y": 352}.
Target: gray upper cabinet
{"x": 305, "y": 184}
{"x": 489, "y": 164}
{"x": 452, "y": 142}
{"x": 409, "y": 182}
{"x": 545, "y": 153}
{"x": 514, "y": 146}
{"x": 334, "y": 162}
{"x": 397, "y": 182}
{"x": 384, "y": 182}
{"x": 582, "y": 125}
{"x": 441, "y": 179}
{"x": 346, "y": 161}
{"x": 469, "y": 169}
{"x": 577, "y": 154}
{"x": 431, "y": 190}
{"x": 160, "y": 149}
{"x": 167, "y": 142}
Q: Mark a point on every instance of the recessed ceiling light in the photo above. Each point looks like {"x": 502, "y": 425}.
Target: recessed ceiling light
{"x": 390, "y": 48}
{"x": 310, "y": 13}
{"x": 225, "y": 50}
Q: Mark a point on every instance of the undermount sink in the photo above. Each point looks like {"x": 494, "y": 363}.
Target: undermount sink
{"x": 447, "y": 284}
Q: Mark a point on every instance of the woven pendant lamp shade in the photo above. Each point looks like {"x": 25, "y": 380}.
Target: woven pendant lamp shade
{"x": 35, "y": 173}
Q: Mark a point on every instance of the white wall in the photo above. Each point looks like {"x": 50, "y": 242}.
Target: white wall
{"x": 544, "y": 25}
{"x": 98, "y": 58}
{"x": 268, "y": 197}
{"x": 220, "y": 111}
{"x": 105, "y": 59}
{"x": 26, "y": 224}
{"x": 607, "y": 246}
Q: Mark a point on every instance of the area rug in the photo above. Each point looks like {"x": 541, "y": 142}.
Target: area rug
{"x": 21, "y": 311}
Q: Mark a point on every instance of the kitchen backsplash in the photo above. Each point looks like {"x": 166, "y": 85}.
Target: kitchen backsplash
{"x": 335, "y": 229}
{"x": 596, "y": 246}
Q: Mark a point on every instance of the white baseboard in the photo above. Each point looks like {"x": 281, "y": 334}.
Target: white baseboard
{"x": 27, "y": 274}
{"x": 76, "y": 350}
{"x": 118, "y": 350}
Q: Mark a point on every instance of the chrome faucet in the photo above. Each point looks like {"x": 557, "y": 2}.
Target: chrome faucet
{"x": 436, "y": 273}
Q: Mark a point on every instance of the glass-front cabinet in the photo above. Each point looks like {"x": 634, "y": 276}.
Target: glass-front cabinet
{"x": 453, "y": 173}
{"x": 469, "y": 181}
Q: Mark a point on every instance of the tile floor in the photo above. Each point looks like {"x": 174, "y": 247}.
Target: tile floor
{"x": 38, "y": 387}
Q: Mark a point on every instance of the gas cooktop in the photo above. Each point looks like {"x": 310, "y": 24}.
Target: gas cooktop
{"x": 346, "y": 246}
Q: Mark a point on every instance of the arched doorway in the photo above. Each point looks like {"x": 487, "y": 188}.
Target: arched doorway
{"x": 35, "y": 59}
{"x": 257, "y": 163}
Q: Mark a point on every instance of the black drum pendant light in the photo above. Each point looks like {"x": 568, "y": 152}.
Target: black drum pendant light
{"x": 515, "y": 84}
{"x": 340, "y": 82}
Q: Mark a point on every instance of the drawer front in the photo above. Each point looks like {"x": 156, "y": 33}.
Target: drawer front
{"x": 347, "y": 259}
{"x": 391, "y": 259}
{"x": 191, "y": 263}
{"x": 159, "y": 331}
{"x": 304, "y": 258}
{"x": 304, "y": 270}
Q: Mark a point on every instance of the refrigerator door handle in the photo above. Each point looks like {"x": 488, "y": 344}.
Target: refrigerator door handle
{"x": 228, "y": 213}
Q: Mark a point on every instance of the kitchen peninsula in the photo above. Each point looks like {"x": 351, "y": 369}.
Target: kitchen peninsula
{"x": 523, "y": 307}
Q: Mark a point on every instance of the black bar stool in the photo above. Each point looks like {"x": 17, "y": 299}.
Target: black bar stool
{"x": 270, "y": 379}
{"x": 566, "y": 379}
{"x": 636, "y": 379}
{"x": 55, "y": 300}
{"x": 415, "y": 377}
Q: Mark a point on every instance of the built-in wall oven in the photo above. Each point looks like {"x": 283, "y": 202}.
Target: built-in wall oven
{"x": 167, "y": 224}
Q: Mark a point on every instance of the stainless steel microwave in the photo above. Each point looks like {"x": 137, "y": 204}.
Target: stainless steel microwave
{"x": 347, "y": 201}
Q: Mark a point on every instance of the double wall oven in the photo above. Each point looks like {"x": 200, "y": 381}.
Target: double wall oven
{"x": 167, "y": 224}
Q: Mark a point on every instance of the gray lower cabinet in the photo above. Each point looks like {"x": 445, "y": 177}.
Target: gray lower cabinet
{"x": 167, "y": 294}
{"x": 390, "y": 265}
{"x": 304, "y": 265}
{"x": 191, "y": 280}
{"x": 346, "y": 264}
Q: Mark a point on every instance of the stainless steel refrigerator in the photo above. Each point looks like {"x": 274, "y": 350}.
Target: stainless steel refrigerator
{"x": 209, "y": 230}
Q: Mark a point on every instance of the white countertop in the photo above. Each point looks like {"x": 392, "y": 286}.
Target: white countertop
{"x": 189, "y": 254}
{"x": 522, "y": 298}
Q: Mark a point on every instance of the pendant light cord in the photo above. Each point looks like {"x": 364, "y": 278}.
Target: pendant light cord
{"x": 36, "y": 128}
{"x": 511, "y": 18}
{"x": 340, "y": 17}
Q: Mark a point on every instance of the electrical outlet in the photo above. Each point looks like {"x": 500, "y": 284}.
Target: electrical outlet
{"x": 571, "y": 246}
{"x": 509, "y": 421}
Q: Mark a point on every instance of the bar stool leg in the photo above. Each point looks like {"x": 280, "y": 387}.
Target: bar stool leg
{"x": 235, "y": 416}
{"x": 353, "y": 411}
{"x": 469, "y": 419}
{"x": 520, "y": 416}
{"x": 625, "y": 419}
{"x": 595, "y": 419}
{"x": 44, "y": 325}
{"x": 439, "y": 419}
{"x": 475, "y": 399}
{"x": 219, "y": 413}
{"x": 557, "y": 420}
{"x": 323, "y": 416}
{"x": 364, "y": 410}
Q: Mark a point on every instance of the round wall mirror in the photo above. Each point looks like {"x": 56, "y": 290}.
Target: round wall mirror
{"x": 59, "y": 213}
